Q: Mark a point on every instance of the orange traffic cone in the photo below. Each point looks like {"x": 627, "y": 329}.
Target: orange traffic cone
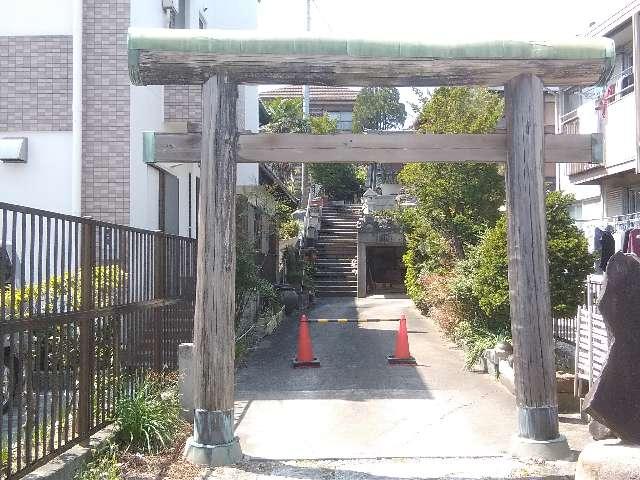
{"x": 305, "y": 356}
{"x": 402, "y": 355}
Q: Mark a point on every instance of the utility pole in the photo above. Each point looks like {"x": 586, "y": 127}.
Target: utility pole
{"x": 304, "y": 174}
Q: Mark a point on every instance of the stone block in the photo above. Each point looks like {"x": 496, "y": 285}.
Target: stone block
{"x": 185, "y": 379}
{"x": 609, "y": 460}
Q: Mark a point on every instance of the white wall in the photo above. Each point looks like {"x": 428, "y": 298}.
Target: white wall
{"x": 45, "y": 180}
{"x": 620, "y": 131}
{"x": 146, "y": 113}
{"x": 237, "y": 14}
{"x": 36, "y": 17}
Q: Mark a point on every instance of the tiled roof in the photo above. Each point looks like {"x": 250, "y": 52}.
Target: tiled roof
{"x": 316, "y": 93}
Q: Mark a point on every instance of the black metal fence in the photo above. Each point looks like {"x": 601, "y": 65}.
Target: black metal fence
{"x": 86, "y": 307}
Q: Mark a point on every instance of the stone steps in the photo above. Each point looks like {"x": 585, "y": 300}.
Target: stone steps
{"x": 337, "y": 247}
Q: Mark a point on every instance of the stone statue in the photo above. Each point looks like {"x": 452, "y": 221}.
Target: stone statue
{"x": 614, "y": 400}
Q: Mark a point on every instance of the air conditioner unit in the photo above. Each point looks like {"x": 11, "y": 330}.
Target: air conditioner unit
{"x": 170, "y": 5}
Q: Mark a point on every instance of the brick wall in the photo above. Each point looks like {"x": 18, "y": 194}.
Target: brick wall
{"x": 106, "y": 99}
{"x": 35, "y": 83}
{"x": 183, "y": 103}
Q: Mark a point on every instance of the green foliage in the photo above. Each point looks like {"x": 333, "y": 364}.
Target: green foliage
{"x": 104, "y": 467}
{"x": 456, "y": 255}
{"x": 340, "y": 181}
{"x": 288, "y": 229}
{"x": 298, "y": 271}
{"x": 569, "y": 263}
{"x": 378, "y": 108}
{"x": 285, "y": 116}
{"x": 323, "y": 125}
{"x": 486, "y": 271}
{"x": 287, "y": 226}
{"x": 475, "y": 340}
{"x": 569, "y": 259}
{"x": 458, "y": 200}
{"x": 250, "y": 284}
{"x": 65, "y": 290}
{"x": 460, "y": 110}
{"x": 148, "y": 419}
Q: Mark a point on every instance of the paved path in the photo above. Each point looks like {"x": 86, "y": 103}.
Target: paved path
{"x": 357, "y": 406}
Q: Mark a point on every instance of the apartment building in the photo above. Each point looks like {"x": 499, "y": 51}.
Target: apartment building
{"x": 607, "y": 194}
{"x": 71, "y": 125}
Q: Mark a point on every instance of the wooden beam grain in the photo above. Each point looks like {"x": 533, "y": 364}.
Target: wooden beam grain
{"x": 530, "y": 304}
{"x": 213, "y": 326}
{"x": 378, "y": 148}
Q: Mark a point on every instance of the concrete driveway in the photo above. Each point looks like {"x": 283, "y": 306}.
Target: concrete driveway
{"x": 356, "y": 405}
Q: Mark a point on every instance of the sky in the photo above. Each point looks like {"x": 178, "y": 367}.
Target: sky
{"x": 461, "y": 19}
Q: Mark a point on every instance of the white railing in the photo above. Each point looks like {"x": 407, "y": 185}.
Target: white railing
{"x": 592, "y": 340}
{"x": 619, "y": 91}
{"x": 622, "y": 84}
{"x": 314, "y": 190}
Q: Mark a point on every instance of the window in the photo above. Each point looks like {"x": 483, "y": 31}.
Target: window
{"x": 345, "y": 119}
{"x": 633, "y": 205}
{"x": 571, "y": 100}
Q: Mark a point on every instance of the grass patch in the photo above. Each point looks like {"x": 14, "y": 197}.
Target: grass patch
{"x": 104, "y": 467}
{"x": 148, "y": 420}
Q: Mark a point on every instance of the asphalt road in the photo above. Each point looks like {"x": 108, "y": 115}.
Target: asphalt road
{"x": 356, "y": 405}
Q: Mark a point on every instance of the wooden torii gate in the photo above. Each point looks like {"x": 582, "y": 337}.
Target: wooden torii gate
{"x": 220, "y": 60}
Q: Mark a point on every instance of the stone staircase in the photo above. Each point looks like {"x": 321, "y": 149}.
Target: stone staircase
{"x": 337, "y": 248}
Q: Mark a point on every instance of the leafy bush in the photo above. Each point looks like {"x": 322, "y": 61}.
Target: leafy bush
{"x": 340, "y": 181}
{"x": 249, "y": 283}
{"x": 469, "y": 299}
{"x": 297, "y": 270}
{"x": 286, "y": 225}
{"x": 569, "y": 263}
{"x": 148, "y": 420}
{"x": 475, "y": 340}
{"x": 288, "y": 229}
{"x": 65, "y": 290}
{"x": 427, "y": 253}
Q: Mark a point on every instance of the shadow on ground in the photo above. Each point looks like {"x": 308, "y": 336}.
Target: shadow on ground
{"x": 352, "y": 356}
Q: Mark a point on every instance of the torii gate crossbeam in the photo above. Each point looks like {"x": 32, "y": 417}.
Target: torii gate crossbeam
{"x": 220, "y": 60}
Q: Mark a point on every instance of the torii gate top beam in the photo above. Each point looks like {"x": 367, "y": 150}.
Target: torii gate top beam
{"x": 163, "y": 56}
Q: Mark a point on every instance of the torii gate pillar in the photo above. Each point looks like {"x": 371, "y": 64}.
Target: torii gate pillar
{"x": 531, "y": 323}
{"x": 213, "y": 442}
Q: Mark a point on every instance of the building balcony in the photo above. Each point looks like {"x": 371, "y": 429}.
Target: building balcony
{"x": 614, "y": 115}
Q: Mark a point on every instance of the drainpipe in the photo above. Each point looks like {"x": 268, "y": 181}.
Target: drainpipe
{"x": 76, "y": 109}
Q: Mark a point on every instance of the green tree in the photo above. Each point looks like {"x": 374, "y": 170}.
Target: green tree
{"x": 378, "y": 108}
{"x": 340, "y": 181}
{"x": 285, "y": 116}
{"x": 458, "y": 200}
{"x": 569, "y": 263}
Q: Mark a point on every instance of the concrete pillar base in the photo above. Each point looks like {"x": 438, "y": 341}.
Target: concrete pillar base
{"x": 556, "y": 449}
{"x": 213, "y": 455}
{"x": 609, "y": 460}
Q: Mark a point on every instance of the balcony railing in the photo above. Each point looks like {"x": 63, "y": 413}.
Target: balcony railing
{"x": 618, "y": 87}
{"x": 571, "y": 125}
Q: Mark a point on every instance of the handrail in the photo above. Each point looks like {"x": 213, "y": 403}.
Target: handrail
{"x": 305, "y": 226}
